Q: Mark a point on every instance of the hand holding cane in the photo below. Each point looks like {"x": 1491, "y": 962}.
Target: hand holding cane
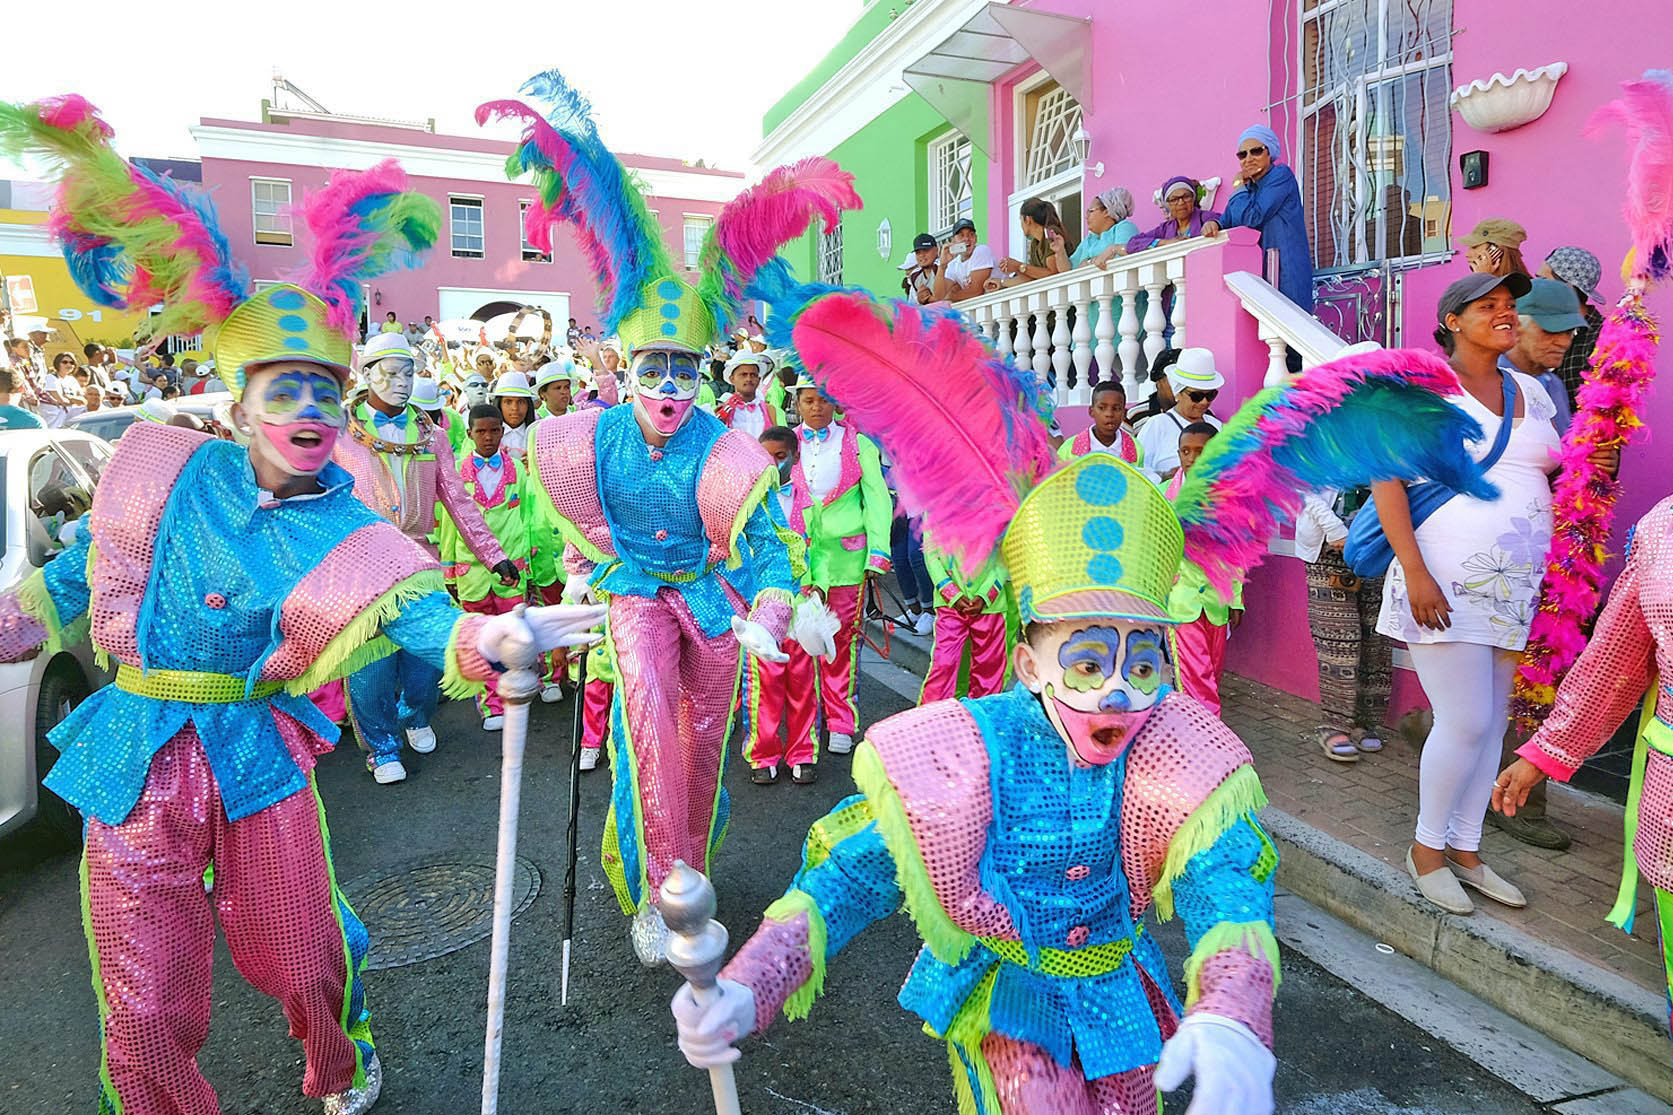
{"x": 696, "y": 946}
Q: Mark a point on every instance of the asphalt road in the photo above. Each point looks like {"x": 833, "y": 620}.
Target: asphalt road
{"x": 612, "y": 1049}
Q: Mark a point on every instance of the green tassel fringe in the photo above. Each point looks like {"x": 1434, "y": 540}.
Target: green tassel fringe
{"x": 359, "y": 642}
{"x": 1252, "y": 937}
{"x": 1240, "y": 794}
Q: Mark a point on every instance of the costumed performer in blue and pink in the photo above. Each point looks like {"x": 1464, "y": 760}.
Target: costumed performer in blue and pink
{"x": 666, "y": 513}
{"x": 1028, "y": 832}
{"x": 225, "y": 583}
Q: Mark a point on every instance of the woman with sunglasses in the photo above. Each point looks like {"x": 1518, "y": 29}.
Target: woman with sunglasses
{"x": 1196, "y": 384}
{"x": 1186, "y": 218}
{"x": 1270, "y": 201}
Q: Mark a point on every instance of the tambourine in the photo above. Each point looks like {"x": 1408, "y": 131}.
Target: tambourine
{"x": 525, "y": 347}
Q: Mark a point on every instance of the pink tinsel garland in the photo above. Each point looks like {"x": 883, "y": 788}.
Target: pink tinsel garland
{"x": 1583, "y": 507}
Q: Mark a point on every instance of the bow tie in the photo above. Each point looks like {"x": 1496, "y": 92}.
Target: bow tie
{"x": 399, "y": 421}
{"x": 815, "y": 435}
{"x": 751, "y": 405}
{"x": 496, "y": 461}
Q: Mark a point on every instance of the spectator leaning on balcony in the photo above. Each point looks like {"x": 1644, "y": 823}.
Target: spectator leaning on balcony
{"x": 1185, "y": 217}
{"x": 1580, "y": 270}
{"x": 919, "y": 282}
{"x": 1270, "y": 202}
{"x": 964, "y": 265}
{"x": 1494, "y": 247}
{"x": 1049, "y": 245}
{"x": 1196, "y": 384}
{"x": 1109, "y": 225}
{"x": 1549, "y": 316}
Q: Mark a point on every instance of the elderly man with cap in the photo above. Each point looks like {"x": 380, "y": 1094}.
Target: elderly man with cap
{"x": 1195, "y": 383}
{"x": 1549, "y": 314}
{"x": 1270, "y": 202}
{"x": 401, "y": 463}
{"x": 1580, "y": 270}
{"x": 1179, "y": 198}
{"x": 744, "y": 409}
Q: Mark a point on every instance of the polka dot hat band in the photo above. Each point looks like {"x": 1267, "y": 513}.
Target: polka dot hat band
{"x": 281, "y": 322}
{"x": 1095, "y": 538}
{"x": 670, "y": 315}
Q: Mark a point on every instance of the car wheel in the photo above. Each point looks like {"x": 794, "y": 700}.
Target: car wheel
{"x": 62, "y": 689}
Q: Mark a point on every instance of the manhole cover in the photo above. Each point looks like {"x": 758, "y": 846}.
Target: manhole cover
{"x": 430, "y": 907}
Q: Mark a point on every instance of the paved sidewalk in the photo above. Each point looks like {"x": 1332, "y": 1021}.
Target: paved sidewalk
{"x": 1372, "y": 806}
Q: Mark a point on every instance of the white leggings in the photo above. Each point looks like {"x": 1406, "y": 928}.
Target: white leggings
{"x": 1468, "y": 685}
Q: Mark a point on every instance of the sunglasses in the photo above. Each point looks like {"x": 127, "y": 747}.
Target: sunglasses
{"x": 1251, "y": 152}
{"x": 1200, "y": 396}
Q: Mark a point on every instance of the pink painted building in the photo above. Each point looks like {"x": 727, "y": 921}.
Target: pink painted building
{"x": 951, "y": 108}
{"x": 482, "y": 266}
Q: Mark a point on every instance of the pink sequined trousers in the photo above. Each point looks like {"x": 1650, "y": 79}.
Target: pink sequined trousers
{"x": 984, "y": 634}
{"x": 1029, "y": 1082}
{"x": 489, "y": 704}
{"x": 1201, "y": 650}
{"x": 595, "y": 713}
{"x": 783, "y": 695}
{"x": 839, "y": 677}
{"x": 153, "y": 934}
{"x": 677, "y": 687}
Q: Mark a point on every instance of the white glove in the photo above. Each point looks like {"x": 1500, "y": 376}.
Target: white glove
{"x": 814, "y": 627}
{"x": 506, "y": 638}
{"x": 1232, "y": 1066}
{"x": 757, "y": 640}
{"x": 708, "y": 1030}
{"x": 576, "y": 590}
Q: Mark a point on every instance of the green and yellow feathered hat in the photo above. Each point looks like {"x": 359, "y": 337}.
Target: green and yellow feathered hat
{"x": 1095, "y": 538}
{"x": 278, "y": 323}
{"x": 642, "y": 296}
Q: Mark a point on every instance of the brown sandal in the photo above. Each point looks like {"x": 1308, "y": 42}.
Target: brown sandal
{"x": 1337, "y": 746}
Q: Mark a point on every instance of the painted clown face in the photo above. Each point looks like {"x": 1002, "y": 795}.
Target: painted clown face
{"x": 1098, "y": 680}
{"x": 667, "y": 386}
{"x": 391, "y": 379}
{"x": 474, "y": 390}
{"x": 295, "y": 412}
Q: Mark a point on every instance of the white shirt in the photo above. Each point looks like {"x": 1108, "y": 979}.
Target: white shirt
{"x": 959, "y": 268}
{"x": 54, "y": 414}
{"x": 822, "y": 462}
{"x": 786, "y": 499}
{"x": 1317, "y": 524}
{"x": 516, "y": 440}
{"x": 750, "y": 418}
{"x": 1159, "y": 438}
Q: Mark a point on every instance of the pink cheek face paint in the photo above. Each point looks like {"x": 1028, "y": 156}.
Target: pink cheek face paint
{"x": 302, "y": 447}
{"x": 667, "y": 414}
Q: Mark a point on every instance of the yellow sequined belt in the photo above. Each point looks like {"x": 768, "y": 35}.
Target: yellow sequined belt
{"x": 1094, "y": 960}
{"x": 191, "y": 685}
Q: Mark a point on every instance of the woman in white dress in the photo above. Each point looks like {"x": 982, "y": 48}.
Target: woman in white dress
{"x": 1463, "y": 588}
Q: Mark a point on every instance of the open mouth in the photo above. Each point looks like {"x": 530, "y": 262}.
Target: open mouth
{"x": 1095, "y": 738}
{"x": 306, "y": 439}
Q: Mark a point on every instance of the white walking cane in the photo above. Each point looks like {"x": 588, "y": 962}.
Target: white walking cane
{"x": 516, "y": 686}
{"x": 696, "y": 946}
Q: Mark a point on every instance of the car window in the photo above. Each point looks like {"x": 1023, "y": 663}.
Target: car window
{"x": 91, "y": 454}
{"x": 108, "y": 427}
{"x": 58, "y": 496}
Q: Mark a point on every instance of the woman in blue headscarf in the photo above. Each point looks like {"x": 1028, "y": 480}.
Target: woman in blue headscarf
{"x": 1270, "y": 202}
{"x": 1185, "y": 218}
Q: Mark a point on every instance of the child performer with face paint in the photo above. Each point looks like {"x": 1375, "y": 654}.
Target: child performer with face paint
{"x": 402, "y": 466}
{"x": 668, "y": 515}
{"x": 226, "y": 583}
{"x": 1028, "y": 832}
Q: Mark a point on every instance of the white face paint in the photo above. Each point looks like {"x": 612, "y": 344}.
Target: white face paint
{"x": 391, "y": 378}
{"x": 667, "y": 386}
{"x": 1098, "y": 681}
{"x": 295, "y": 413}
{"x": 475, "y": 391}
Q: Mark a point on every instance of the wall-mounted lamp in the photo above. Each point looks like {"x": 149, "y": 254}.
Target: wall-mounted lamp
{"x": 1082, "y": 141}
{"x": 377, "y": 298}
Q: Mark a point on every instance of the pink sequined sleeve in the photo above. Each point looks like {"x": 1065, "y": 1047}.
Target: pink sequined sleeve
{"x": 574, "y": 561}
{"x": 1611, "y": 674}
{"x": 467, "y": 516}
{"x": 1235, "y": 984}
{"x": 772, "y": 611}
{"x": 21, "y": 634}
{"x": 773, "y": 963}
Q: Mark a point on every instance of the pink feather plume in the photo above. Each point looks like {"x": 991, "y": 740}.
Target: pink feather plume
{"x": 363, "y": 223}
{"x": 947, "y": 413}
{"x": 1645, "y": 111}
{"x": 776, "y": 210}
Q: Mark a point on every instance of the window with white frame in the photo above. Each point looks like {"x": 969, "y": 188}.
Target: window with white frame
{"x": 531, "y": 254}
{"x": 830, "y": 256}
{"x": 1376, "y": 129}
{"x": 270, "y": 208}
{"x": 696, "y": 228}
{"x": 1051, "y": 117}
{"x": 465, "y": 226}
{"x": 951, "y": 188}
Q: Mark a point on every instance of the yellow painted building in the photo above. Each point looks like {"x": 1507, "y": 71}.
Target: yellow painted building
{"x": 26, "y": 248}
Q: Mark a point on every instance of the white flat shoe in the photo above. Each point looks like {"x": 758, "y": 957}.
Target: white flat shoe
{"x": 1489, "y": 882}
{"x": 385, "y": 773}
{"x": 841, "y": 743}
{"x": 492, "y": 723}
{"x": 422, "y": 740}
{"x": 1440, "y": 887}
{"x": 551, "y": 694}
{"x": 589, "y": 757}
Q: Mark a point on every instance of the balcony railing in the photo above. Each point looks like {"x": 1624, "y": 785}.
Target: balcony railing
{"x": 1071, "y": 331}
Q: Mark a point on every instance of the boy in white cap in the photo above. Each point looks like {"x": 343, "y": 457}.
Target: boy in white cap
{"x": 1196, "y": 384}
{"x": 554, "y": 385}
{"x": 515, "y": 398}
{"x": 744, "y": 409}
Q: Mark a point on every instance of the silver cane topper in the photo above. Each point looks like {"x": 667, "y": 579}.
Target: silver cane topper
{"x": 696, "y": 947}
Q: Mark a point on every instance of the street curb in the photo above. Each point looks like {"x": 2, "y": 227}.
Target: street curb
{"x": 906, "y": 650}
{"x": 1598, "y": 1014}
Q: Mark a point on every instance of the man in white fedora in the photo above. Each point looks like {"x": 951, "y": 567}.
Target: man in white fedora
{"x": 1196, "y": 384}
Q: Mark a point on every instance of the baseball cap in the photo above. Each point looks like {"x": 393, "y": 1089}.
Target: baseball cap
{"x": 1501, "y": 231}
{"x": 964, "y": 223}
{"x": 925, "y": 240}
{"x": 1466, "y": 290}
{"x": 1553, "y": 305}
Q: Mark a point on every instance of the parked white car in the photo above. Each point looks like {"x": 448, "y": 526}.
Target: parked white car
{"x": 47, "y": 479}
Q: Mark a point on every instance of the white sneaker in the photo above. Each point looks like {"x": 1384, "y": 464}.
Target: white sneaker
{"x": 392, "y": 771}
{"x": 649, "y": 936}
{"x": 492, "y": 723}
{"x": 358, "y": 1101}
{"x": 589, "y": 757}
{"x": 422, "y": 740}
{"x": 841, "y": 743}
{"x": 551, "y": 693}
{"x": 923, "y": 623}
